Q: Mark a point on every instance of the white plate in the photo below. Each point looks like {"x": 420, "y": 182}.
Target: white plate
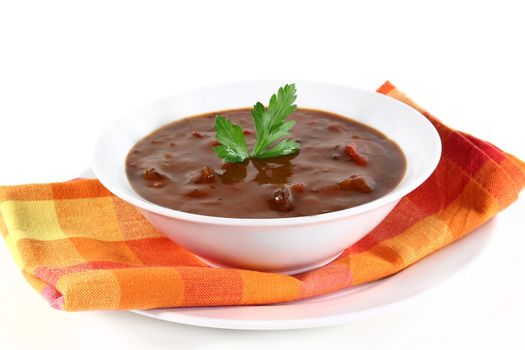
{"x": 340, "y": 307}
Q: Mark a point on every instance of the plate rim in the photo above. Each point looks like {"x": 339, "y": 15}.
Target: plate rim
{"x": 178, "y": 316}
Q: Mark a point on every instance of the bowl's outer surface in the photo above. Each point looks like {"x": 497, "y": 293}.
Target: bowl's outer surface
{"x": 283, "y": 249}
{"x": 281, "y": 245}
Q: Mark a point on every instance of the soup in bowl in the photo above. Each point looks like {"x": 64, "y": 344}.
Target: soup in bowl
{"x": 352, "y": 155}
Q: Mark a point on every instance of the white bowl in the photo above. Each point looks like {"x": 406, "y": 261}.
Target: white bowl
{"x": 285, "y": 245}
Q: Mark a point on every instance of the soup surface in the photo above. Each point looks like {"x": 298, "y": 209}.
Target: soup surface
{"x": 341, "y": 164}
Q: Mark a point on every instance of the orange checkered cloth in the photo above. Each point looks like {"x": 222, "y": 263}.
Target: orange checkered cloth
{"x": 83, "y": 248}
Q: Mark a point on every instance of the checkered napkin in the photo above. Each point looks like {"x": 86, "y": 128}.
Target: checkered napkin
{"x": 83, "y": 248}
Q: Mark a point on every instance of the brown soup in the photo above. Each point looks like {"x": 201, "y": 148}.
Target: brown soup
{"x": 341, "y": 164}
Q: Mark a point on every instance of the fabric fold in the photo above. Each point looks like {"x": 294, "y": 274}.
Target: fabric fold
{"x": 82, "y": 248}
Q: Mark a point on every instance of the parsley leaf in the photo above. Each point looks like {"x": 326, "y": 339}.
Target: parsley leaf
{"x": 270, "y": 124}
{"x": 271, "y": 130}
{"x": 232, "y": 148}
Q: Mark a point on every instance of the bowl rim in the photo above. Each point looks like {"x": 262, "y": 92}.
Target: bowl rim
{"x": 396, "y": 194}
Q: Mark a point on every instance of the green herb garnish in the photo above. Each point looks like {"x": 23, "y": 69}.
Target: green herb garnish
{"x": 232, "y": 148}
{"x": 270, "y": 127}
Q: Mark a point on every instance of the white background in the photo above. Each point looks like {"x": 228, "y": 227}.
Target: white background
{"x": 70, "y": 68}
